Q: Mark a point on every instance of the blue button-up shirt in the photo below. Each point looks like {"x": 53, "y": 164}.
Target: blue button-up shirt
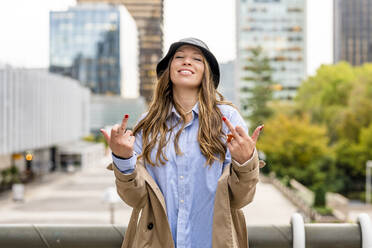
{"x": 188, "y": 185}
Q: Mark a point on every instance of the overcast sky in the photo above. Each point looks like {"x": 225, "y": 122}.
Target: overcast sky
{"x": 24, "y": 26}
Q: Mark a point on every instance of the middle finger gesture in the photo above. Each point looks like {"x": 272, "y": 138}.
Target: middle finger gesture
{"x": 240, "y": 144}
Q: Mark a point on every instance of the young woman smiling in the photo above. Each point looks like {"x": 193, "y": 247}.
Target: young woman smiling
{"x": 178, "y": 167}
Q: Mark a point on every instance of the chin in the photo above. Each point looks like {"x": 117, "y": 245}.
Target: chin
{"x": 185, "y": 81}
{"x": 186, "y": 84}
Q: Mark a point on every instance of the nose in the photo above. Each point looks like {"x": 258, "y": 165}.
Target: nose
{"x": 187, "y": 61}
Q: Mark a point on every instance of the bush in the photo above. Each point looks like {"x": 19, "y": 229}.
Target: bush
{"x": 98, "y": 138}
{"x": 320, "y": 196}
{"x": 297, "y": 149}
{"x": 323, "y": 210}
{"x": 10, "y": 176}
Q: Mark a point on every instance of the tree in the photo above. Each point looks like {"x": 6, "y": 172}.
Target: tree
{"x": 350, "y": 165}
{"x": 327, "y": 92}
{"x": 339, "y": 97}
{"x": 298, "y": 149}
{"x": 365, "y": 143}
{"x": 258, "y": 87}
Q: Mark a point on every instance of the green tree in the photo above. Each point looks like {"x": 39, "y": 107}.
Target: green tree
{"x": 339, "y": 97}
{"x": 365, "y": 143}
{"x": 298, "y": 149}
{"x": 327, "y": 92}
{"x": 351, "y": 158}
{"x": 257, "y": 89}
{"x": 348, "y": 159}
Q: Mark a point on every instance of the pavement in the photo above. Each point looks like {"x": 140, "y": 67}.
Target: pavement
{"x": 77, "y": 198}
{"x": 356, "y": 209}
{"x": 66, "y": 198}
{"x": 269, "y": 207}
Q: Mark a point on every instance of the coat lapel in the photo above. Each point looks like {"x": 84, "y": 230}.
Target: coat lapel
{"x": 150, "y": 181}
{"x": 222, "y": 236}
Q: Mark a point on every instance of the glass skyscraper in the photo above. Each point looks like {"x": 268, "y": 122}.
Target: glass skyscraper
{"x": 96, "y": 44}
{"x": 353, "y": 31}
{"x": 278, "y": 26}
{"x": 149, "y": 18}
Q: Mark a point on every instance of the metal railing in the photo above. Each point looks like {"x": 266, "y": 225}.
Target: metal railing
{"x": 297, "y": 235}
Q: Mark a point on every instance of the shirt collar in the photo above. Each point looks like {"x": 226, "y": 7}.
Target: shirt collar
{"x": 195, "y": 109}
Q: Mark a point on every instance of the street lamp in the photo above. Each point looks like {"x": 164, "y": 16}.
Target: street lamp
{"x": 111, "y": 197}
{"x": 368, "y": 181}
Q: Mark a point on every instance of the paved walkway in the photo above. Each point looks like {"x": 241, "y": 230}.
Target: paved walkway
{"x": 356, "y": 209}
{"x": 269, "y": 207}
{"x": 78, "y": 199}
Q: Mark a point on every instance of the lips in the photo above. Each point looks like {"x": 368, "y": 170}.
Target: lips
{"x": 185, "y": 71}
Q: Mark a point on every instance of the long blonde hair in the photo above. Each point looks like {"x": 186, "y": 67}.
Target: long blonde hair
{"x": 210, "y": 134}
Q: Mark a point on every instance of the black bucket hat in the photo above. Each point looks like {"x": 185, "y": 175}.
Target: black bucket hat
{"x": 212, "y": 61}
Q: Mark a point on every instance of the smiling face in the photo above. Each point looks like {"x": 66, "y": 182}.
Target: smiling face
{"x": 187, "y": 67}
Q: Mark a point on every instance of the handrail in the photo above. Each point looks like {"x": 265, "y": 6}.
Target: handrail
{"x": 298, "y": 231}
{"x": 366, "y": 230}
{"x": 107, "y": 236}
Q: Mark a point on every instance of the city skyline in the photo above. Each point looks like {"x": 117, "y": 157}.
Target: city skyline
{"x": 218, "y": 33}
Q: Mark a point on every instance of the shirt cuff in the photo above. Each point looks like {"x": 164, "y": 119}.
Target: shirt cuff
{"x": 246, "y": 162}
{"x": 125, "y": 166}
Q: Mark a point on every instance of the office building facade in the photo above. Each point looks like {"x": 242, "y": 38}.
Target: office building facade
{"x": 353, "y": 31}
{"x": 96, "y": 44}
{"x": 39, "y": 111}
{"x": 149, "y": 18}
{"x": 227, "y": 82}
{"x": 278, "y": 27}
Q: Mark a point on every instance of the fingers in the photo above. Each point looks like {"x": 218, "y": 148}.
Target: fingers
{"x": 231, "y": 128}
{"x": 241, "y": 131}
{"x": 123, "y": 125}
{"x": 240, "y": 144}
{"x": 256, "y": 133}
{"x": 131, "y": 141}
{"x": 128, "y": 133}
{"x": 115, "y": 130}
{"x": 229, "y": 145}
{"x": 105, "y": 135}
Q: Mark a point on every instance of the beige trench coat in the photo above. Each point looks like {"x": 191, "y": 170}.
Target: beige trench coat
{"x": 236, "y": 188}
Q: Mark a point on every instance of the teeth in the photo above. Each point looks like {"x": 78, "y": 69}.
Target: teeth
{"x": 186, "y": 72}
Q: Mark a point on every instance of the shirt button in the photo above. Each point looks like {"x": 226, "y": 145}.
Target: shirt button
{"x": 182, "y": 201}
{"x": 150, "y": 226}
{"x": 181, "y": 177}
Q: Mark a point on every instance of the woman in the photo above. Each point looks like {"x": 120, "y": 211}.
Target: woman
{"x": 178, "y": 167}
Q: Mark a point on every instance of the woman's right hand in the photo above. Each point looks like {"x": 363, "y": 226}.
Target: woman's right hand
{"x": 121, "y": 140}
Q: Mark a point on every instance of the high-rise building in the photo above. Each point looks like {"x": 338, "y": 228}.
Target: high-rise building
{"x": 227, "y": 82}
{"x": 278, "y": 27}
{"x": 96, "y": 44}
{"x": 353, "y": 31}
{"x": 36, "y": 117}
{"x": 149, "y": 18}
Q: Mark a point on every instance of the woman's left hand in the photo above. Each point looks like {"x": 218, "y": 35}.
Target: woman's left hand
{"x": 241, "y": 145}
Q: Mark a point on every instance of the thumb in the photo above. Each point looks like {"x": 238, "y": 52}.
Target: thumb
{"x": 105, "y": 135}
{"x": 256, "y": 133}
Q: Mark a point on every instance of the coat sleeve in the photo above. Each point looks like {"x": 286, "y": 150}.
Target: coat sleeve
{"x": 242, "y": 182}
{"x": 130, "y": 187}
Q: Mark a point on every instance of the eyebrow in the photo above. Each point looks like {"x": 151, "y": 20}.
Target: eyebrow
{"x": 196, "y": 52}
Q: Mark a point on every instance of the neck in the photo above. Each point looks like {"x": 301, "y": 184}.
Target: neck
{"x": 187, "y": 99}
